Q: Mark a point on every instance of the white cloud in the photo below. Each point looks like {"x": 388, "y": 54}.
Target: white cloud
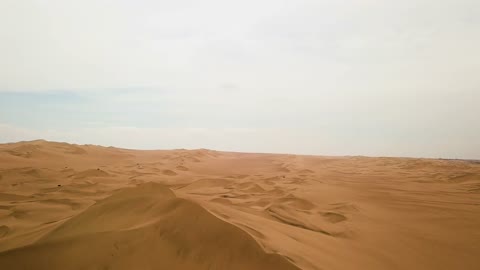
{"x": 260, "y": 45}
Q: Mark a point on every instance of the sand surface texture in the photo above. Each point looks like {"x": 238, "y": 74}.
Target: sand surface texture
{"x": 66, "y": 206}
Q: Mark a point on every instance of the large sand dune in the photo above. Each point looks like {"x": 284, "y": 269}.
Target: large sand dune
{"x": 68, "y": 206}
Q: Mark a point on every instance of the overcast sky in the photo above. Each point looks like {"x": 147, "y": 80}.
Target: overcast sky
{"x": 333, "y": 77}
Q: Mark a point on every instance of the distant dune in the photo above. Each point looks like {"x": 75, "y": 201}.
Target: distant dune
{"x": 66, "y": 206}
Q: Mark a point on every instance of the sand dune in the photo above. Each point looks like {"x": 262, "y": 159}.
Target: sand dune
{"x": 145, "y": 227}
{"x": 68, "y": 206}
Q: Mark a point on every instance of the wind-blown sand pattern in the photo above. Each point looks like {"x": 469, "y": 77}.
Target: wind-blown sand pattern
{"x": 66, "y": 206}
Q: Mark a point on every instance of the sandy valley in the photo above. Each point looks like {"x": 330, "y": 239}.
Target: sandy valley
{"x": 65, "y": 206}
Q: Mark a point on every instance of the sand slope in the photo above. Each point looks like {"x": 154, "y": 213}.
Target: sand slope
{"x": 68, "y": 206}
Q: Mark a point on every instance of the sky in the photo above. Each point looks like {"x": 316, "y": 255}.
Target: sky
{"x": 324, "y": 77}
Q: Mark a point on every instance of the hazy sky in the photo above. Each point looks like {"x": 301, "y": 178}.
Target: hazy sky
{"x": 335, "y": 77}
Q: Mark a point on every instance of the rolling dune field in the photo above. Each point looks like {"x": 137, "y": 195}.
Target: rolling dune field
{"x": 65, "y": 206}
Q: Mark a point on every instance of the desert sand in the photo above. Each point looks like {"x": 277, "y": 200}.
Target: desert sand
{"x": 65, "y": 206}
